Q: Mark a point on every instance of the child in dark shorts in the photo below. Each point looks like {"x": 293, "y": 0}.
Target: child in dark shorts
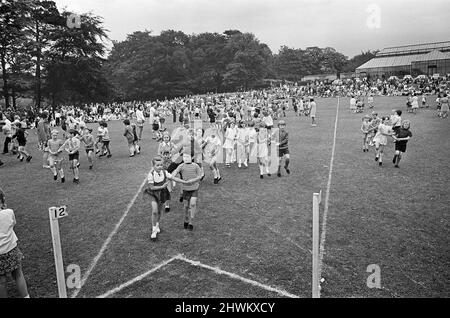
{"x": 192, "y": 174}
{"x": 10, "y": 255}
{"x": 401, "y": 137}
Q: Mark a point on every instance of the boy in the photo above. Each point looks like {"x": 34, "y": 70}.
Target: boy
{"x": 72, "y": 146}
{"x": 55, "y": 158}
{"x": 192, "y": 174}
{"x": 88, "y": 141}
{"x": 312, "y": 112}
{"x": 401, "y": 137}
{"x": 212, "y": 146}
{"x": 283, "y": 149}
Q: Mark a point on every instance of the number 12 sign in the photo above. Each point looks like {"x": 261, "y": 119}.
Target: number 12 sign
{"x": 58, "y": 213}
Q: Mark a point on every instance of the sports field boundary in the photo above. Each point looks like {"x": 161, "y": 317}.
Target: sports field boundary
{"x": 216, "y": 270}
{"x": 327, "y": 198}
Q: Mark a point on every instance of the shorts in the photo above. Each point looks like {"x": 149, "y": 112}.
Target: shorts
{"x": 11, "y": 261}
{"x": 155, "y": 127}
{"x": 54, "y": 159}
{"x": 89, "y": 150}
{"x": 269, "y": 127}
{"x": 105, "y": 142}
{"x": 400, "y": 146}
{"x": 74, "y": 156}
{"x": 282, "y": 152}
{"x": 187, "y": 195}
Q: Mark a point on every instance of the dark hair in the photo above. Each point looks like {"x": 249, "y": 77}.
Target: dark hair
{"x": 399, "y": 112}
{"x": 126, "y": 121}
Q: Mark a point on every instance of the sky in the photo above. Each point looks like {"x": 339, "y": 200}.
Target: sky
{"x": 349, "y": 26}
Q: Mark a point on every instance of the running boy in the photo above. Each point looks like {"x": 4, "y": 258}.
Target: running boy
{"x": 192, "y": 174}
{"x": 89, "y": 143}
{"x": 283, "y": 149}
{"x": 72, "y": 146}
{"x": 55, "y": 156}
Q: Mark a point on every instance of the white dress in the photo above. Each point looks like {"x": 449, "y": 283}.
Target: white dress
{"x": 230, "y": 134}
{"x": 381, "y": 136}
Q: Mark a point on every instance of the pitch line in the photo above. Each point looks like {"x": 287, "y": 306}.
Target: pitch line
{"x": 138, "y": 278}
{"x": 327, "y": 197}
{"x": 108, "y": 240}
{"x": 235, "y": 276}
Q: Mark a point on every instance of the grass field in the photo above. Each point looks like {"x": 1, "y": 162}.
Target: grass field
{"x": 252, "y": 237}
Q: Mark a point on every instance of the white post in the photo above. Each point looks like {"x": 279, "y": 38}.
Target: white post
{"x": 315, "y": 247}
{"x": 54, "y": 227}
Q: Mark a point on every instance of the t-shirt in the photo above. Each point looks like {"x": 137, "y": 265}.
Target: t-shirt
{"x": 88, "y": 141}
{"x": 157, "y": 177}
{"x": 54, "y": 145}
{"x": 284, "y": 138}
{"x": 403, "y": 133}
{"x": 189, "y": 171}
{"x": 8, "y": 239}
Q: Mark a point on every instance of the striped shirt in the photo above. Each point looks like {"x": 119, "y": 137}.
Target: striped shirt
{"x": 189, "y": 171}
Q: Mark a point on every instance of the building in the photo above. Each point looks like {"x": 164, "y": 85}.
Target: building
{"x": 427, "y": 59}
{"x": 319, "y": 77}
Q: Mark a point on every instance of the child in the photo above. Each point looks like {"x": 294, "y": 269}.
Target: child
{"x": 192, "y": 174}
{"x": 129, "y": 135}
{"x": 22, "y": 141}
{"x": 212, "y": 146}
{"x": 158, "y": 181}
{"x": 380, "y": 139}
{"x": 165, "y": 149}
{"x": 136, "y": 138}
{"x": 283, "y": 148}
{"x": 370, "y": 100}
{"x": 424, "y": 101}
{"x": 99, "y": 143}
{"x": 10, "y": 255}
{"x": 72, "y": 146}
{"x": 444, "y": 106}
{"x": 365, "y": 127}
{"x": 242, "y": 140}
{"x": 55, "y": 157}
{"x": 312, "y": 112}
{"x": 89, "y": 142}
{"x": 105, "y": 140}
{"x": 155, "y": 125}
{"x": 373, "y": 127}
{"x": 401, "y": 137}
{"x": 230, "y": 138}
{"x": 263, "y": 151}
{"x": 396, "y": 120}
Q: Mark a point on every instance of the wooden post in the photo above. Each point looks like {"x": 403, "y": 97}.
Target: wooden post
{"x": 315, "y": 246}
{"x": 54, "y": 227}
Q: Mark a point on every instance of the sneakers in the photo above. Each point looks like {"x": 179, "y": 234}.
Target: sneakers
{"x": 278, "y": 174}
{"x": 216, "y": 181}
{"x": 153, "y": 236}
{"x": 90, "y": 167}
{"x": 376, "y": 158}
{"x": 261, "y": 176}
{"x": 186, "y": 225}
{"x": 158, "y": 230}
{"x": 380, "y": 163}
{"x": 29, "y": 158}
{"x": 396, "y": 166}
{"x": 269, "y": 175}
{"x": 181, "y": 199}
{"x": 45, "y": 167}
{"x": 288, "y": 171}
{"x": 1, "y": 163}
{"x": 76, "y": 180}
{"x": 167, "y": 209}
{"x": 190, "y": 227}
{"x": 63, "y": 179}
{"x": 245, "y": 164}
{"x": 109, "y": 156}
{"x": 55, "y": 177}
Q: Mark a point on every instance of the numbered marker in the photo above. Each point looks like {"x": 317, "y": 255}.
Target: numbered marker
{"x": 58, "y": 213}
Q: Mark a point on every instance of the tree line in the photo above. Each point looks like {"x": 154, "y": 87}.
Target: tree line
{"x": 48, "y": 59}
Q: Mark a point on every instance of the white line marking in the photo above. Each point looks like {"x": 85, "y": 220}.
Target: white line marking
{"x": 138, "y": 278}
{"x": 235, "y": 276}
{"x": 327, "y": 197}
{"x": 108, "y": 240}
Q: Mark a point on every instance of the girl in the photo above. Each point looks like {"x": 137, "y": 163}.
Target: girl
{"x": 380, "y": 139}
{"x": 55, "y": 157}
{"x": 230, "y": 138}
{"x": 99, "y": 143}
{"x": 312, "y": 112}
{"x": 252, "y": 150}
{"x": 136, "y": 139}
{"x": 242, "y": 140}
{"x": 10, "y": 255}
{"x": 415, "y": 104}
{"x": 166, "y": 149}
{"x": 370, "y": 100}
{"x": 401, "y": 137}
{"x": 155, "y": 125}
{"x": 158, "y": 181}
{"x": 22, "y": 141}
{"x": 140, "y": 119}
{"x": 129, "y": 135}
{"x": 263, "y": 151}
{"x": 365, "y": 130}
{"x": 211, "y": 148}
{"x": 444, "y": 106}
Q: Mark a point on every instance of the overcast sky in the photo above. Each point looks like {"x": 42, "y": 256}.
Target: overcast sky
{"x": 349, "y": 26}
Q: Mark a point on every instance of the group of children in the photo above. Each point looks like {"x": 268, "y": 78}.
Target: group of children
{"x": 376, "y": 131}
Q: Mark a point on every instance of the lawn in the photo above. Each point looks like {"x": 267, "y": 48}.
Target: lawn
{"x": 257, "y": 229}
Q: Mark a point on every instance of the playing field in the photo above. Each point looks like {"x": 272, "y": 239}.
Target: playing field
{"x": 252, "y": 237}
